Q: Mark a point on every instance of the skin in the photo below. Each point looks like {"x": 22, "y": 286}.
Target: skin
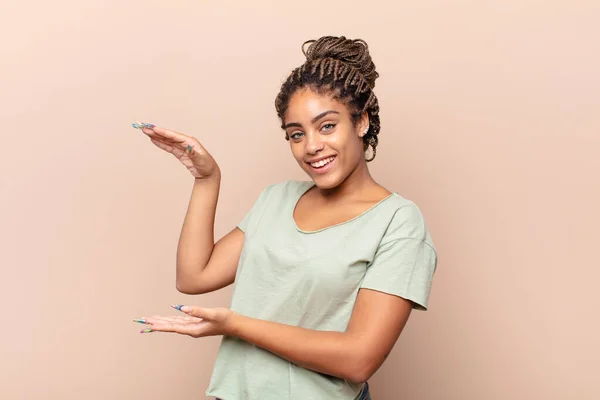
{"x": 318, "y": 127}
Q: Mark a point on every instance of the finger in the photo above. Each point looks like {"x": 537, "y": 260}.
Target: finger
{"x": 162, "y": 145}
{"x": 155, "y": 319}
{"x": 172, "y": 148}
{"x": 150, "y": 132}
{"x": 141, "y": 125}
{"x": 164, "y": 326}
{"x": 180, "y": 143}
{"x": 192, "y": 330}
{"x": 171, "y": 136}
{"x": 189, "y": 310}
{"x": 184, "y": 319}
{"x": 185, "y": 142}
{"x": 170, "y": 319}
{"x": 177, "y": 149}
{"x": 153, "y": 135}
{"x": 204, "y": 313}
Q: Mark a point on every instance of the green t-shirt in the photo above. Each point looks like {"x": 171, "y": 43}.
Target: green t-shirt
{"x": 311, "y": 279}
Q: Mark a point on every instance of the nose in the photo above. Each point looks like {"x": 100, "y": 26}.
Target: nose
{"x": 314, "y": 144}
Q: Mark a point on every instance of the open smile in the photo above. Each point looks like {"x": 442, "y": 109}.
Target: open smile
{"x": 322, "y": 166}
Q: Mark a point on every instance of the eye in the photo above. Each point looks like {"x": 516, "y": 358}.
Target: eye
{"x": 327, "y": 127}
{"x": 296, "y": 135}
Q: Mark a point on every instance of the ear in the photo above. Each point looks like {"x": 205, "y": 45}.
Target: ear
{"x": 363, "y": 125}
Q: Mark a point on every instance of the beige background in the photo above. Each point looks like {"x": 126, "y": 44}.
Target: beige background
{"x": 490, "y": 122}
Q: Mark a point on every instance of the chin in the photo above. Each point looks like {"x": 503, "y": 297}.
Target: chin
{"x": 328, "y": 181}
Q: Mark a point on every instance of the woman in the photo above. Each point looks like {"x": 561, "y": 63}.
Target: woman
{"x": 326, "y": 271}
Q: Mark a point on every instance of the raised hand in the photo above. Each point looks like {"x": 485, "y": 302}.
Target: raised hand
{"x": 187, "y": 149}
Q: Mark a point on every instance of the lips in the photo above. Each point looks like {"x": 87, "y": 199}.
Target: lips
{"x": 322, "y": 162}
{"x": 322, "y": 166}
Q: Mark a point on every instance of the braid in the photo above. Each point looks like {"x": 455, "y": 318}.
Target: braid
{"x": 343, "y": 68}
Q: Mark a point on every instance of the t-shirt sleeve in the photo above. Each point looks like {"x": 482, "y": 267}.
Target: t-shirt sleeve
{"x": 405, "y": 260}
{"x": 253, "y": 216}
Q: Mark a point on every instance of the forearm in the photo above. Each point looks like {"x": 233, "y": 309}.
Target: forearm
{"x": 332, "y": 353}
{"x": 196, "y": 241}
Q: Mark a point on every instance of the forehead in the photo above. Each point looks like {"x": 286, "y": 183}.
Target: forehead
{"x": 306, "y": 104}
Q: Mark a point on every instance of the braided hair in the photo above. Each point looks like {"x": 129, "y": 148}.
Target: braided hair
{"x": 342, "y": 68}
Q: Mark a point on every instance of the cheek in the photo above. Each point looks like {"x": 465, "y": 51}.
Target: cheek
{"x": 359, "y": 147}
{"x": 353, "y": 153}
{"x": 347, "y": 143}
{"x": 297, "y": 151}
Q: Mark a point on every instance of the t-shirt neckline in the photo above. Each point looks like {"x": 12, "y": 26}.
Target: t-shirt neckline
{"x": 310, "y": 186}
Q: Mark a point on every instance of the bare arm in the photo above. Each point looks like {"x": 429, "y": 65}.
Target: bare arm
{"x": 356, "y": 354}
{"x": 196, "y": 241}
{"x": 202, "y": 265}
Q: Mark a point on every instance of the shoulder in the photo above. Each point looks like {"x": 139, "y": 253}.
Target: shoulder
{"x": 405, "y": 220}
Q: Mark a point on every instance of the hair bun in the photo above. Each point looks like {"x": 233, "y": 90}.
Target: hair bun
{"x": 354, "y": 52}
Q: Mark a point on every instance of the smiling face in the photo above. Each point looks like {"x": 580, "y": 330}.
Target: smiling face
{"x": 325, "y": 142}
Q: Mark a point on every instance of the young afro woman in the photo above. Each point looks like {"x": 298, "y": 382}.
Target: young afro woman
{"x": 326, "y": 271}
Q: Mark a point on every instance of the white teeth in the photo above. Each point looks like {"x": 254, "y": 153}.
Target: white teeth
{"x": 319, "y": 164}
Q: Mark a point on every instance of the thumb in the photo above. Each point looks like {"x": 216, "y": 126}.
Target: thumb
{"x": 204, "y": 313}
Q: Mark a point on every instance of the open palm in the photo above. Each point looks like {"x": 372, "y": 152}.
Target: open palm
{"x": 198, "y": 322}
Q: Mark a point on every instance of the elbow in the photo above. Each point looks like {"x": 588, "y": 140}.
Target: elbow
{"x": 184, "y": 286}
{"x": 185, "y": 283}
{"x": 181, "y": 288}
{"x": 359, "y": 374}
{"x": 362, "y": 369}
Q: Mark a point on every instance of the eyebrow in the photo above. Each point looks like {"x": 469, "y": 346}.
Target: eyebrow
{"x": 315, "y": 119}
